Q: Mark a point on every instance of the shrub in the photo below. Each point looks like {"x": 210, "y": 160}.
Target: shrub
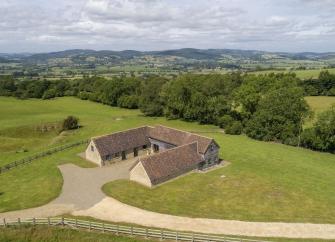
{"x": 48, "y": 94}
{"x": 70, "y": 122}
{"x": 225, "y": 121}
{"x": 129, "y": 101}
{"x": 235, "y": 128}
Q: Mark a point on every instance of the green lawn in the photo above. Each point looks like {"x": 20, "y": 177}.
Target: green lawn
{"x": 264, "y": 181}
{"x": 56, "y": 234}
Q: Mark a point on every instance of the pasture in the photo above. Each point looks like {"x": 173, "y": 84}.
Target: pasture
{"x": 302, "y": 74}
{"x": 262, "y": 181}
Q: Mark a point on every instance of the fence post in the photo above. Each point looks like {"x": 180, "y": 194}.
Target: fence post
{"x": 132, "y": 230}
{"x": 90, "y": 226}
{"x": 176, "y": 235}
{"x": 76, "y": 223}
{"x": 103, "y": 227}
{"x": 19, "y": 221}
{"x": 63, "y": 221}
{"x": 192, "y": 237}
{"x": 117, "y": 229}
{"x": 34, "y": 221}
{"x": 161, "y": 234}
{"x": 4, "y": 222}
{"x": 146, "y": 233}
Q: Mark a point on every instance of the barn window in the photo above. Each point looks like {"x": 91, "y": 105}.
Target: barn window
{"x": 117, "y": 154}
{"x": 108, "y": 157}
{"x": 92, "y": 148}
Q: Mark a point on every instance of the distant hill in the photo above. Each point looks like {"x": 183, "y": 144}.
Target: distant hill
{"x": 176, "y": 60}
{"x": 187, "y": 53}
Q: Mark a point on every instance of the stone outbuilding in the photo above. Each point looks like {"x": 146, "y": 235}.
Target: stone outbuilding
{"x": 163, "y": 153}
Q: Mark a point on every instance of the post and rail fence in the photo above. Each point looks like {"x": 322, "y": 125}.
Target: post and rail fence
{"x": 29, "y": 159}
{"x": 123, "y": 230}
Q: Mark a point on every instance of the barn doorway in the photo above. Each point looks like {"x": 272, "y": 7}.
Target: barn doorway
{"x": 135, "y": 152}
{"x": 124, "y": 155}
{"x": 156, "y": 148}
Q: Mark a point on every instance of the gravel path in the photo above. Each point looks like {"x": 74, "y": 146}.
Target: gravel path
{"x": 82, "y": 195}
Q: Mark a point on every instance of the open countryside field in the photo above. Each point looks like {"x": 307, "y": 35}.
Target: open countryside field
{"x": 318, "y": 104}
{"x": 303, "y": 74}
{"x": 263, "y": 181}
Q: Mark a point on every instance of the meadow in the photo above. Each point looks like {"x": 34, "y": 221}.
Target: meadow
{"x": 261, "y": 181}
{"x": 317, "y": 105}
{"x": 302, "y": 74}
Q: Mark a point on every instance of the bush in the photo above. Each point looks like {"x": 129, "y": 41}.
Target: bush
{"x": 48, "y": 94}
{"x": 129, "y": 101}
{"x": 70, "y": 122}
{"x": 225, "y": 121}
{"x": 322, "y": 135}
{"x": 234, "y": 128}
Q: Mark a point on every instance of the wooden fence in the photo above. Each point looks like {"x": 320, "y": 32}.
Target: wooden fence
{"x": 29, "y": 159}
{"x": 125, "y": 230}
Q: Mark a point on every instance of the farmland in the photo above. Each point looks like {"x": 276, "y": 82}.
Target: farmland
{"x": 302, "y": 74}
{"x": 262, "y": 181}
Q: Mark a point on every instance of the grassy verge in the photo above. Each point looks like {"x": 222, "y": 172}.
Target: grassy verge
{"x": 55, "y": 234}
{"x": 240, "y": 237}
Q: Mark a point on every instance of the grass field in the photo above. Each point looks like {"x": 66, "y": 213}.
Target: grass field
{"x": 318, "y": 105}
{"x": 263, "y": 182}
{"x": 303, "y": 74}
{"x": 54, "y": 234}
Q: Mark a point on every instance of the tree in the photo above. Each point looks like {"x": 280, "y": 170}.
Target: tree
{"x": 234, "y": 128}
{"x": 70, "y": 122}
{"x": 279, "y": 116}
{"x": 48, "y": 94}
{"x": 150, "y": 101}
{"x": 322, "y": 135}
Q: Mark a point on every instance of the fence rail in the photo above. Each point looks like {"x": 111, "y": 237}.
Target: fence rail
{"x": 29, "y": 159}
{"x": 125, "y": 230}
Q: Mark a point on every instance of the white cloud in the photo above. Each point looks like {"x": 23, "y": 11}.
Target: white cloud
{"x": 39, "y": 25}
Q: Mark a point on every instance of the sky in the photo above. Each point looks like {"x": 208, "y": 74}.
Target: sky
{"x": 273, "y": 25}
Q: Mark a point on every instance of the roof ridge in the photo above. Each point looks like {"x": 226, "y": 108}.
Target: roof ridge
{"x": 118, "y": 132}
{"x": 185, "y": 131}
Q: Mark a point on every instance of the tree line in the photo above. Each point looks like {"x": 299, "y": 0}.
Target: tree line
{"x": 265, "y": 107}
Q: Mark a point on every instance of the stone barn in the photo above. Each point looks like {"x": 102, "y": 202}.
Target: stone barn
{"x": 163, "y": 153}
{"x": 161, "y": 167}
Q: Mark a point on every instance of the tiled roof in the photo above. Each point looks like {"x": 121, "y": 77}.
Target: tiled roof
{"x": 121, "y": 141}
{"x": 171, "y": 163}
{"x": 178, "y": 137}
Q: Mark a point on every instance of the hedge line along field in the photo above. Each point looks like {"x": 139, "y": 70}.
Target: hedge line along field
{"x": 262, "y": 181}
